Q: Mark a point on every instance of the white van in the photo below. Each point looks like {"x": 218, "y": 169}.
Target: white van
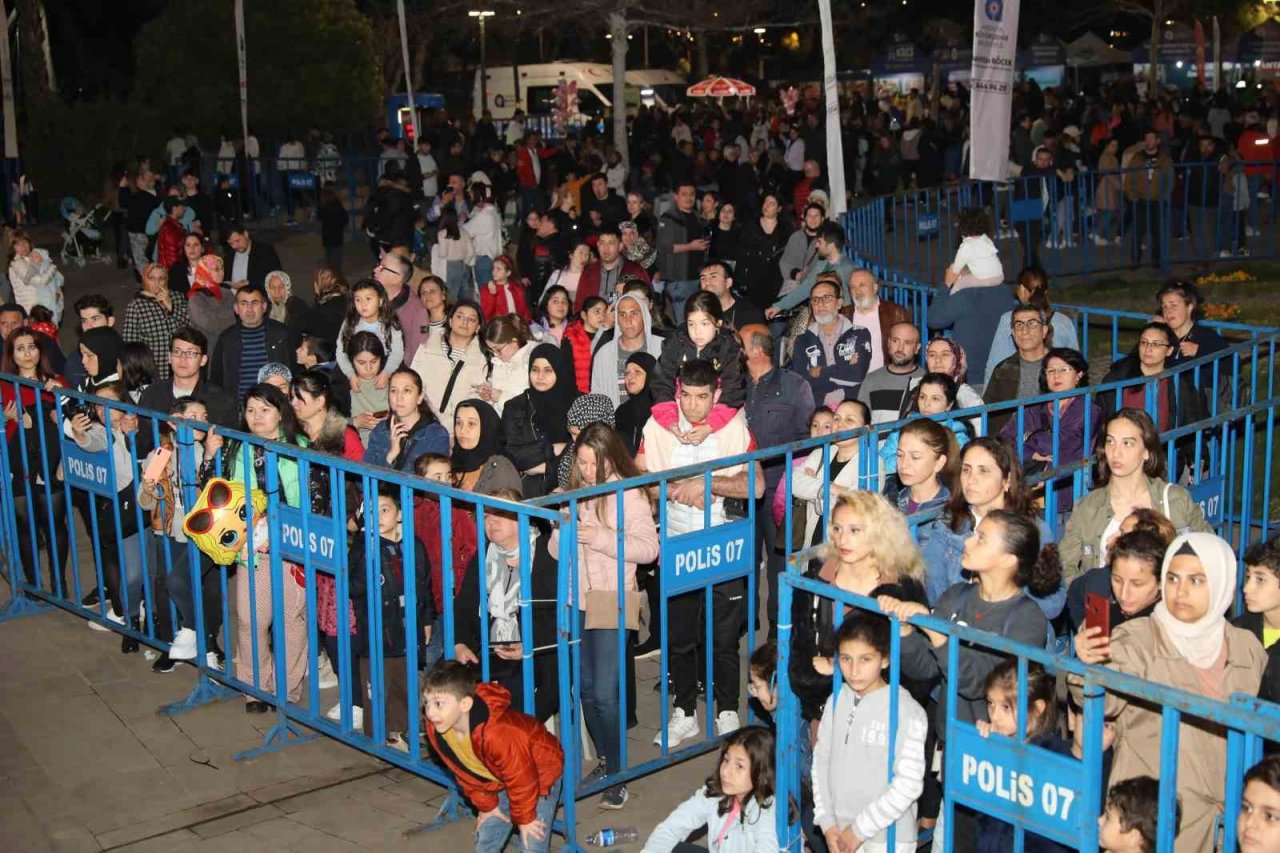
{"x": 537, "y": 91}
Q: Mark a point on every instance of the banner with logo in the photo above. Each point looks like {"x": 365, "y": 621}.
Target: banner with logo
{"x": 995, "y": 49}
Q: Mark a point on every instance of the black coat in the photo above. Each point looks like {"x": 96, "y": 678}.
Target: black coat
{"x": 262, "y": 261}
{"x": 1188, "y": 407}
{"x": 224, "y": 367}
{"x": 392, "y": 595}
{"x": 1270, "y": 689}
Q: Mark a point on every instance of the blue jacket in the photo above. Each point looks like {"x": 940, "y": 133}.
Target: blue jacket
{"x": 778, "y": 409}
{"x": 425, "y": 438}
{"x": 942, "y": 550}
{"x": 972, "y": 315}
{"x": 843, "y": 376}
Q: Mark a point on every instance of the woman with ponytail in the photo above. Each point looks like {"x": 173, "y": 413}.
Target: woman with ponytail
{"x": 1009, "y": 566}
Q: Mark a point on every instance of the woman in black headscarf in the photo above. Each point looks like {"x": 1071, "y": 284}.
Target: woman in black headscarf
{"x": 101, "y": 350}
{"x": 478, "y": 459}
{"x": 634, "y": 414}
{"x": 535, "y": 424}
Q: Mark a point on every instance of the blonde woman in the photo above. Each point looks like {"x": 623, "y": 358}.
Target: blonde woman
{"x": 870, "y": 552}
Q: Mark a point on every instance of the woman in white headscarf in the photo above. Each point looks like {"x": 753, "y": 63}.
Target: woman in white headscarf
{"x": 1185, "y": 643}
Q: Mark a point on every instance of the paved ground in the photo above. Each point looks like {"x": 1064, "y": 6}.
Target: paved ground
{"x": 86, "y": 764}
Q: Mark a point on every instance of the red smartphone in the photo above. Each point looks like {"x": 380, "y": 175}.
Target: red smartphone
{"x": 1097, "y": 613}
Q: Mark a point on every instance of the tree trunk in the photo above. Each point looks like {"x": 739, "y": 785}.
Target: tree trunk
{"x": 1157, "y": 22}
{"x": 618, "y": 29}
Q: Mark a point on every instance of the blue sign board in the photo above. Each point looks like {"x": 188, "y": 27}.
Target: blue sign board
{"x": 302, "y": 181}
{"x": 322, "y": 544}
{"x": 706, "y": 557}
{"x": 88, "y": 471}
{"x": 1208, "y": 493}
{"x": 1017, "y": 783}
{"x": 1026, "y": 210}
{"x": 927, "y": 225}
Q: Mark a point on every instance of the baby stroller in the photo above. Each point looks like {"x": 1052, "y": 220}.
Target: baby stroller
{"x": 82, "y": 239}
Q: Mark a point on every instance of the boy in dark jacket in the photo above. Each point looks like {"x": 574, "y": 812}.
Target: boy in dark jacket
{"x": 1262, "y": 609}
{"x": 506, "y": 764}
{"x": 391, "y": 597}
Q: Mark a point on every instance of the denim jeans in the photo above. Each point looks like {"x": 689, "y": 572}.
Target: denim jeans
{"x": 458, "y": 281}
{"x": 130, "y": 553}
{"x": 600, "y": 692}
{"x": 483, "y": 270}
{"x": 1255, "y": 207}
{"x": 435, "y": 648}
{"x": 679, "y": 291}
{"x": 493, "y": 835}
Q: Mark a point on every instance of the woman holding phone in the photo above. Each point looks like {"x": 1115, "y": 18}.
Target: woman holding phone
{"x": 410, "y": 431}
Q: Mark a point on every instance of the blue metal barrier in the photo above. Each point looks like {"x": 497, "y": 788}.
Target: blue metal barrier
{"x": 1221, "y": 446}
{"x": 1095, "y": 223}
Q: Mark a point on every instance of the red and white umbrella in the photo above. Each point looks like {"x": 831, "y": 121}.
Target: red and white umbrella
{"x": 721, "y": 87}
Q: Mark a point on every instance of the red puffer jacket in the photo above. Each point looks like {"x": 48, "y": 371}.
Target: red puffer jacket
{"x": 578, "y": 340}
{"x": 493, "y": 301}
{"x": 525, "y": 758}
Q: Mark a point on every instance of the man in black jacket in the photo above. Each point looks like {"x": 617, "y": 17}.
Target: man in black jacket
{"x": 251, "y": 343}
{"x": 188, "y": 356}
{"x": 248, "y": 261}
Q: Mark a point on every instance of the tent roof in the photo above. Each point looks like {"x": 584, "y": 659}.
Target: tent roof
{"x": 1090, "y": 50}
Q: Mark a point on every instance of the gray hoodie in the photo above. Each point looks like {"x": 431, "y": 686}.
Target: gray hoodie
{"x": 604, "y": 366}
{"x": 855, "y": 734}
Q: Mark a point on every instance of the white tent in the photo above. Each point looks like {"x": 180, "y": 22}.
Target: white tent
{"x": 1090, "y": 51}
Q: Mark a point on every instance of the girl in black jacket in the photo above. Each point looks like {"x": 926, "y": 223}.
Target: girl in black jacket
{"x": 705, "y": 337}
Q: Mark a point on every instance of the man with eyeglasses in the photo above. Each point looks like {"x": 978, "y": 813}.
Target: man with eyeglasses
{"x": 833, "y": 353}
{"x": 188, "y": 356}
{"x": 1018, "y": 376}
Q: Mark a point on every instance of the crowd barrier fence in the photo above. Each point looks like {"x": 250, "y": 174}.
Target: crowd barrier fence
{"x": 311, "y": 496}
{"x": 1100, "y": 221}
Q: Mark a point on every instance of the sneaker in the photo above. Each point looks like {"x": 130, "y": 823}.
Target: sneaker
{"x": 213, "y": 660}
{"x": 90, "y": 598}
{"x": 597, "y": 773}
{"x": 727, "y": 722}
{"x": 682, "y": 726}
{"x": 183, "y": 646}
{"x": 327, "y": 677}
{"x": 357, "y": 715}
{"x": 1119, "y": 241}
{"x": 1242, "y": 253}
{"x": 164, "y": 664}
{"x": 396, "y": 741}
{"x": 111, "y": 617}
{"x": 1225, "y": 253}
{"x": 1099, "y": 240}
{"x": 614, "y": 798}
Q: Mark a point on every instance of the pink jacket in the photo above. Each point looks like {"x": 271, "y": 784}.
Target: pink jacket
{"x": 598, "y": 559}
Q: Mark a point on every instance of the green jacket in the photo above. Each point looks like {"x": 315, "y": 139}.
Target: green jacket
{"x": 1081, "y": 544}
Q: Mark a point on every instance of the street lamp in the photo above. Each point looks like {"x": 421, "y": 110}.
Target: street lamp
{"x": 481, "y": 14}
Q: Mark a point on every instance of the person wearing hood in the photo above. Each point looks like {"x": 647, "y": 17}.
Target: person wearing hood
{"x": 1185, "y": 643}
{"x": 583, "y": 412}
{"x": 100, "y": 352}
{"x": 153, "y": 315}
{"x": 501, "y": 568}
{"x": 633, "y": 333}
{"x": 478, "y": 459}
{"x": 283, "y": 306}
{"x": 633, "y": 414}
{"x": 833, "y": 354}
{"x": 534, "y": 423}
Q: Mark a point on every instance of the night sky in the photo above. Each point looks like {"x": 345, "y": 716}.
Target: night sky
{"x": 91, "y": 43}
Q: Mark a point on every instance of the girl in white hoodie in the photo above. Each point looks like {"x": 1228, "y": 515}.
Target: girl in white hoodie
{"x": 735, "y": 804}
{"x": 977, "y": 261}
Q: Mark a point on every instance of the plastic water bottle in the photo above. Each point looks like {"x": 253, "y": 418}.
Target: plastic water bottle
{"x": 610, "y": 837}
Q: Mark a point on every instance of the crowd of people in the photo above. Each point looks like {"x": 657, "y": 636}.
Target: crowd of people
{"x": 604, "y": 340}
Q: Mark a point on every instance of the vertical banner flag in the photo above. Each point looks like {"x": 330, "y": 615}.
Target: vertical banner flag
{"x": 408, "y": 69}
{"x": 244, "y": 76}
{"x": 995, "y": 47}
{"x": 835, "y": 149}
{"x": 6, "y": 91}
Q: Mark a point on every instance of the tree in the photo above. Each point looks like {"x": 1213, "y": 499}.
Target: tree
{"x": 311, "y": 63}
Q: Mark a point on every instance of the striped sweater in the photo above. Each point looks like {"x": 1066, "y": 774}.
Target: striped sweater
{"x": 856, "y": 734}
